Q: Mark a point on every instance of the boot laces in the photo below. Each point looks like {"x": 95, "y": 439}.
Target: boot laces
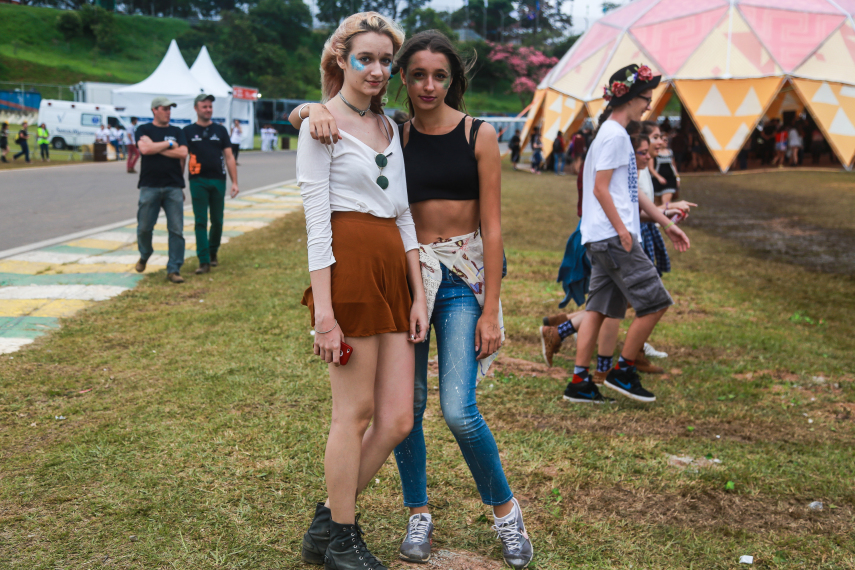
{"x": 509, "y": 534}
{"x": 418, "y": 529}
{"x": 369, "y": 560}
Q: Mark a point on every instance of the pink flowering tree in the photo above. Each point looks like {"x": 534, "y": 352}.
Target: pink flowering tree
{"x": 526, "y": 65}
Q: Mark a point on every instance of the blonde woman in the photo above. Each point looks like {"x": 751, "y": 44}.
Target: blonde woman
{"x": 363, "y": 264}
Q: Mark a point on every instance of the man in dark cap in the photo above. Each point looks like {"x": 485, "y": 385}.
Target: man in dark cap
{"x": 161, "y": 185}
{"x": 210, "y": 156}
{"x": 611, "y": 233}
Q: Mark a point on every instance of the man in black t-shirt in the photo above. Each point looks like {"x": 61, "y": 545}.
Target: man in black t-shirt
{"x": 161, "y": 185}
{"x": 210, "y": 155}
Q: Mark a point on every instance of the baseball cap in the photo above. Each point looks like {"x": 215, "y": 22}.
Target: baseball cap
{"x": 202, "y": 97}
{"x": 162, "y": 102}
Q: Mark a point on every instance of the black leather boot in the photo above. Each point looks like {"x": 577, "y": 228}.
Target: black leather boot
{"x": 347, "y": 550}
{"x": 317, "y": 538}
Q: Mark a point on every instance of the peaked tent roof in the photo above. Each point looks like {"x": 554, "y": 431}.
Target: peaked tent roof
{"x": 205, "y": 72}
{"x": 172, "y": 77}
{"x": 713, "y": 39}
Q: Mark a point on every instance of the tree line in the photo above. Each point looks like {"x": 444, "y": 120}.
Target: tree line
{"x": 275, "y": 46}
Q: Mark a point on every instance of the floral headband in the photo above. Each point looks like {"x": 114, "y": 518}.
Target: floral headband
{"x": 621, "y": 88}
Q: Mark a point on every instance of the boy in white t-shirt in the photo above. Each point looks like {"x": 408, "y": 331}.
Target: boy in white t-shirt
{"x": 611, "y": 232}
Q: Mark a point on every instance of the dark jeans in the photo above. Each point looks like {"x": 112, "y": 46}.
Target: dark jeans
{"x": 172, "y": 202}
{"x": 235, "y": 150}
{"x": 45, "y": 150}
{"x": 208, "y": 192}
{"x": 25, "y": 151}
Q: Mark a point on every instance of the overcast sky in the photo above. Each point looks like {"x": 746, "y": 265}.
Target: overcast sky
{"x": 580, "y": 10}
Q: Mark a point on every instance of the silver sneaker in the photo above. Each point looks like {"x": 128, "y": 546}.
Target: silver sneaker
{"x": 416, "y": 545}
{"x": 516, "y": 546}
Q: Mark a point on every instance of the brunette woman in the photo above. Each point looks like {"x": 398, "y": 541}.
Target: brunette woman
{"x": 454, "y": 185}
{"x": 363, "y": 263}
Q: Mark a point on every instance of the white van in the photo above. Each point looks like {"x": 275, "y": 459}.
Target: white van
{"x": 73, "y": 124}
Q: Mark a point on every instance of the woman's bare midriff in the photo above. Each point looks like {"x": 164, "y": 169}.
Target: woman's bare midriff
{"x": 443, "y": 219}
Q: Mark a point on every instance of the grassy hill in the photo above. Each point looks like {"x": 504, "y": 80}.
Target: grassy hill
{"x": 32, "y": 50}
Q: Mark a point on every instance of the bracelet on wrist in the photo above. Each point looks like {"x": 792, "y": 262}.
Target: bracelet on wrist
{"x": 300, "y": 111}
{"x": 329, "y": 331}
{"x": 666, "y": 229}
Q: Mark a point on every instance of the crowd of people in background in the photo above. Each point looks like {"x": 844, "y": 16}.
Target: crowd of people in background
{"x": 775, "y": 142}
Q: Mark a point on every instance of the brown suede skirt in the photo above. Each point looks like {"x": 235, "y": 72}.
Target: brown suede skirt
{"x": 370, "y": 293}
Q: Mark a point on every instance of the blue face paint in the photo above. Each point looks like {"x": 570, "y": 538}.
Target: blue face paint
{"x": 355, "y": 64}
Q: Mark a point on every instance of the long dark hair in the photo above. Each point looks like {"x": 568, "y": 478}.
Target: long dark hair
{"x": 435, "y": 41}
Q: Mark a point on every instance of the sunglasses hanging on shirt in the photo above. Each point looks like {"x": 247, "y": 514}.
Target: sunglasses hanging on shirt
{"x": 381, "y": 159}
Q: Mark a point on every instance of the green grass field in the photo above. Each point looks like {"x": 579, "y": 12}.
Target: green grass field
{"x": 196, "y": 416}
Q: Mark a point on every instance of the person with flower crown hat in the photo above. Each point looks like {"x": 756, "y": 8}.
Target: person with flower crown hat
{"x": 611, "y": 232}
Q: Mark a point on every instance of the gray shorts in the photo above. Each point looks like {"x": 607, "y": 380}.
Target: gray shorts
{"x": 618, "y": 277}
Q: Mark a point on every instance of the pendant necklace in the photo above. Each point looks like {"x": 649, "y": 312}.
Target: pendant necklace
{"x": 346, "y": 102}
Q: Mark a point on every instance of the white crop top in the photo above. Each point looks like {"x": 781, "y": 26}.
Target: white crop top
{"x": 342, "y": 178}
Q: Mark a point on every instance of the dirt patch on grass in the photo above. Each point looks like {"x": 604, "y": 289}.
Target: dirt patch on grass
{"x": 641, "y": 423}
{"x": 706, "y": 509}
{"x": 762, "y": 219}
{"x": 454, "y": 560}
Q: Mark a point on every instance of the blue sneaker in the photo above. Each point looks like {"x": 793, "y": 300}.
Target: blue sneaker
{"x": 585, "y": 392}
{"x": 627, "y": 382}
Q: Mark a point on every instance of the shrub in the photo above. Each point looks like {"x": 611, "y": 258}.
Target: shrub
{"x": 69, "y": 25}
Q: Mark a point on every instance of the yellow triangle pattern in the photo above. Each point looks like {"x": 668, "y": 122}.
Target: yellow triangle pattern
{"x": 834, "y": 60}
{"x": 579, "y": 81}
{"x": 661, "y": 96}
{"x": 713, "y": 106}
{"x": 535, "y": 112}
{"x": 836, "y": 121}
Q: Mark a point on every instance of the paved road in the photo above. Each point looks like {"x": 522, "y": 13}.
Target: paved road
{"x": 38, "y": 204}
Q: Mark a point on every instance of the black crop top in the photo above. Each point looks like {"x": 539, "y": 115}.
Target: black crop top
{"x": 442, "y": 167}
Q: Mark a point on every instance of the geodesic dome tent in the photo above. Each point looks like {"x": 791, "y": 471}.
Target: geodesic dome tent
{"x": 730, "y": 62}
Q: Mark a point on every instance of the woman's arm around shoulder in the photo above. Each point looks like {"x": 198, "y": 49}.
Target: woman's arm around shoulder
{"x": 322, "y": 126}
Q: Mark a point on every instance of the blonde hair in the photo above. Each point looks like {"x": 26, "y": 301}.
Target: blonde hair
{"x": 339, "y": 44}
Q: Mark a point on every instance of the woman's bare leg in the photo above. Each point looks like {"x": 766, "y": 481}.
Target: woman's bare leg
{"x": 353, "y": 406}
{"x": 393, "y": 404}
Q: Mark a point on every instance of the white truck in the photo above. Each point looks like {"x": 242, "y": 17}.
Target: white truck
{"x": 72, "y": 124}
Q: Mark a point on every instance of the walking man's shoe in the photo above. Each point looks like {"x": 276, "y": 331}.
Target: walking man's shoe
{"x": 627, "y": 382}
{"x": 204, "y": 268}
{"x": 550, "y": 343}
{"x": 585, "y": 393}
{"x": 175, "y": 278}
{"x": 555, "y": 320}
{"x": 416, "y": 545}
{"x": 214, "y": 261}
{"x": 644, "y": 365}
{"x": 140, "y": 267}
{"x": 516, "y": 546}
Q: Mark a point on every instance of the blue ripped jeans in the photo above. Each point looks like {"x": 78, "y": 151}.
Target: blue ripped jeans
{"x": 455, "y": 315}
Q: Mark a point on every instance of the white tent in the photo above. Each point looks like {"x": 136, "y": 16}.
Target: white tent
{"x": 171, "y": 79}
{"x": 226, "y": 107}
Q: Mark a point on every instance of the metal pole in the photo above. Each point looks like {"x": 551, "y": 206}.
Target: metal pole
{"x": 484, "y": 30}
